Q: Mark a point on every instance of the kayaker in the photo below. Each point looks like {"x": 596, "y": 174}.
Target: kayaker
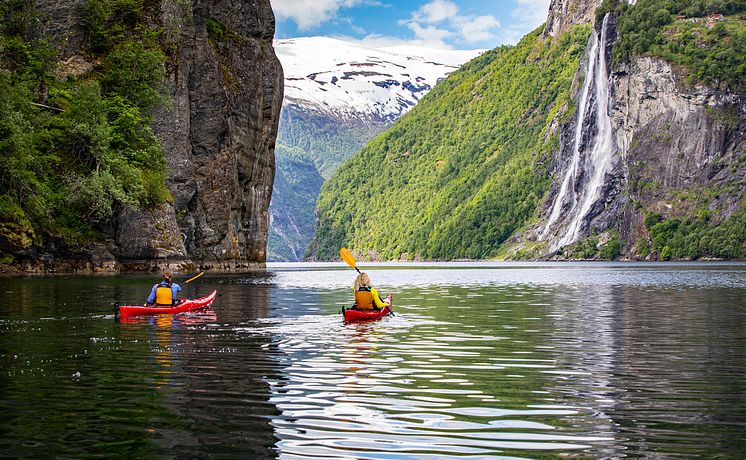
{"x": 366, "y": 296}
{"x": 164, "y": 293}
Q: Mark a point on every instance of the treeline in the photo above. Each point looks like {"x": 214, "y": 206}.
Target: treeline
{"x": 467, "y": 167}
{"x": 75, "y": 135}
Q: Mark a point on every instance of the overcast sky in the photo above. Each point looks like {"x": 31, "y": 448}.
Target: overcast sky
{"x": 457, "y": 24}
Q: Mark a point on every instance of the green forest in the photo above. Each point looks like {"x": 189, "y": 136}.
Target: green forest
{"x": 76, "y": 142}
{"x": 682, "y": 32}
{"x": 467, "y": 168}
{"x": 462, "y": 171}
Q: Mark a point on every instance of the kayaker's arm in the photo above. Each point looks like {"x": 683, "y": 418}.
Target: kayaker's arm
{"x": 377, "y": 299}
{"x": 151, "y": 297}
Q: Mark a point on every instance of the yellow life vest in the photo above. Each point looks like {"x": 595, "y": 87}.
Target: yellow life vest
{"x": 164, "y": 296}
{"x": 364, "y": 299}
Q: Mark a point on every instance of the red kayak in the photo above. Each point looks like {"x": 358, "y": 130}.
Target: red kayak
{"x": 352, "y": 315}
{"x": 186, "y": 305}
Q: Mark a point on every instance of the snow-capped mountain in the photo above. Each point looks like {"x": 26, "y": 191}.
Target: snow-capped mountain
{"x": 349, "y": 80}
{"x": 338, "y": 96}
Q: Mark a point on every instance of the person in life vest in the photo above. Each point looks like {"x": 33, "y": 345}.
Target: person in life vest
{"x": 366, "y": 296}
{"x": 164, "y": 293}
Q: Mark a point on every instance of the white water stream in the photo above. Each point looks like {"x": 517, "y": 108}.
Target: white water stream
{"x": 595, "y": 157}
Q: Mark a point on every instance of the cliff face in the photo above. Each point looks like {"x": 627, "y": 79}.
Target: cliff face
{"x": 642, "y": 141}
{"x": 674, "y": 139}
{"x": 217, "y": 134}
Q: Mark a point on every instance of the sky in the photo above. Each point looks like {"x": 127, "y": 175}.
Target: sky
{"x": 446, "y": 24}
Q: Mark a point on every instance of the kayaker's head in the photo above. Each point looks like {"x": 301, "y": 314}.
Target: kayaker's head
{"x": 362, "y": 280}
{"x": 167, "y": 275}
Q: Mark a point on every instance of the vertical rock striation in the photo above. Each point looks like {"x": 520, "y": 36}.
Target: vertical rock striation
{"x": 674, "y": 138}
{"x": 564, "y": 14}
{"x": 219, "y": 135}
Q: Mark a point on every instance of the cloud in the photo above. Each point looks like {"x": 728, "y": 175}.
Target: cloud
{"x": 533, "y": 12}
{"x": 439, "y": 20}
{"x": 308, "y": 14}
{"x": 477, "y": 28}
{"x": 435, "y": 11}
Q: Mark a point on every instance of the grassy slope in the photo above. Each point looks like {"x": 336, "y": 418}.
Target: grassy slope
{"x": 465, "y": 168}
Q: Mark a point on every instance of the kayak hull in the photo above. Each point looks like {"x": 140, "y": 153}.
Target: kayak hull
{"x": 187, "y": 305}
{"x": 352, "y": 315}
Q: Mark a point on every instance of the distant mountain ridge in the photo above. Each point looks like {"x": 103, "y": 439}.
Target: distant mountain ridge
{"x": 338, "y": 96}
{"x": 355, "y": 82}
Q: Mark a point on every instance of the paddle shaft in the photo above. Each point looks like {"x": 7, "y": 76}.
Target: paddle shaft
{"x": 193, "y": 278}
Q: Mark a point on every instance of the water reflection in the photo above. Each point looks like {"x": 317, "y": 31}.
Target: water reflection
{"x": 585, "y": 361}
{"x": 410, "y": 385}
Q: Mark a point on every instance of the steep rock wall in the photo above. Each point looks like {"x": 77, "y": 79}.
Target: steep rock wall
{"x": 675, "y": 147}
{"x": 563, "y": 14}
{"x": 674, "y": 138}
{"x": 219, "y": 136}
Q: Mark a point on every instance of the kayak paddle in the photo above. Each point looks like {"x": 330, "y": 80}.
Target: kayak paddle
{"x": 194, "y": 278}
{"x": 347, "y": 257}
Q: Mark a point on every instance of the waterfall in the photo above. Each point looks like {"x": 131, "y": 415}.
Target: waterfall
{"x": 593, "y": 159}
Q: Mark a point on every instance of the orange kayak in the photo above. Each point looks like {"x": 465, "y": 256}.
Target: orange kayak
{"x": 352, "y": 315}
{"x": 186, "y": 305}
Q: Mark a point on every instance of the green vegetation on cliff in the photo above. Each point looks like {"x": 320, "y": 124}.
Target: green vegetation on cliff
{"x": 326, "y": 142}
{"x": 466, "y": 168}
{"x": 75, "y": 135}
{"x": 690, "y": 33}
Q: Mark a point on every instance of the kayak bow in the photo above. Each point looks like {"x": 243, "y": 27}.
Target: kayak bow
{"x": 186, "y": 305}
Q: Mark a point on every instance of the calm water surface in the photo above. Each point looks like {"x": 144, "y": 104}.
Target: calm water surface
{"x": 480, "y": 361}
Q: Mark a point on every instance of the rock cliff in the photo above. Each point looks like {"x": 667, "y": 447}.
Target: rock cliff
{"x": 669, "y": 148}
{"x": 217, "y": 134}
{"x": 673, "y": 139}
{"x": 564, "y": 14}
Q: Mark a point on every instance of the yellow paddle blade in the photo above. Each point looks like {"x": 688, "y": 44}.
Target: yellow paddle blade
{"x": 347, "y": 257}
{"x": 192, "y": 279}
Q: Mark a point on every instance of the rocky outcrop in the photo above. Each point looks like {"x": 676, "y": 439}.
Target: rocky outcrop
{"x": 674, "y": 138}
{"x": 670, "y": 147}
{"x": 219, "y": 135}
{"x": 564, "y": 14}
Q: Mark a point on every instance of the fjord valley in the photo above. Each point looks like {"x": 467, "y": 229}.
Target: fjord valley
{"x": 136, "y": 134}
{"x": 615, "y": 130}
{"x": 338, "y": 96}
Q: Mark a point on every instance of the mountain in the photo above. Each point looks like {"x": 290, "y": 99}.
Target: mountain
{"x": 616, "y": 130}
{"x": 136, "y": 135}
{"x": 457, "y": 175}
{"x": 338, "y": 96}
{"x": 348, "y": 81}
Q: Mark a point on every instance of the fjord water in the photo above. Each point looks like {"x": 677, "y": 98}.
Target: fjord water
{"x": 480, "y": 361}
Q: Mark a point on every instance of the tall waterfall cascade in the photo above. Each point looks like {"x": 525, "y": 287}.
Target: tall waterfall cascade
{"x": 593, "y": 150}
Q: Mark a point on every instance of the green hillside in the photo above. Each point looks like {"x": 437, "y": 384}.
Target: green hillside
{"x": 465, "y": 168}
{"x": 310, "y": 147}
{"x": 707, "y": 37}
